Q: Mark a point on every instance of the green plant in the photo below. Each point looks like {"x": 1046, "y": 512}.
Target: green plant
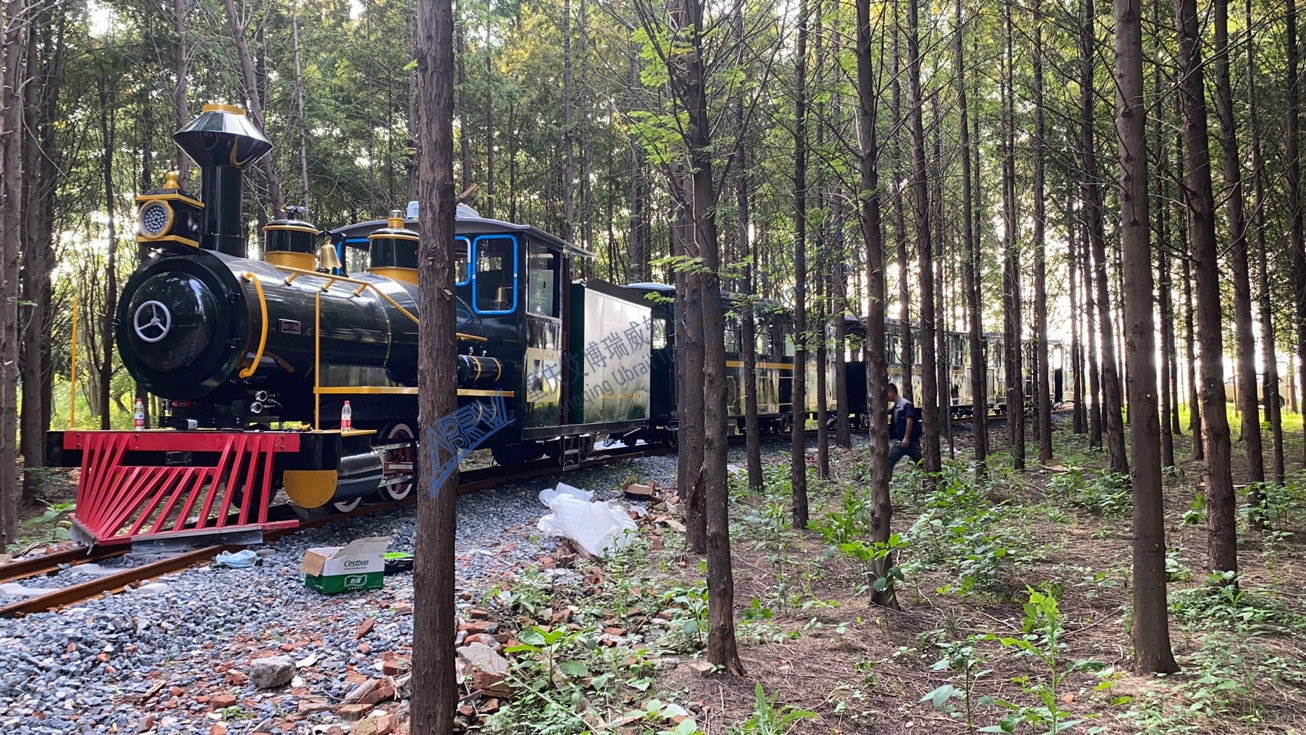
{"x": 1041, "y": 640}
{"x": 1101, "y": 492}
{"x": 768, "y": 719}
{"x": 871, "y": 555}
{"x": 689, "y": 616}
{"x": 961, "y": 657}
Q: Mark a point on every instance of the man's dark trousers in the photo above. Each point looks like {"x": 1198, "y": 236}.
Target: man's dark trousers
{"x": 897, "y": 452}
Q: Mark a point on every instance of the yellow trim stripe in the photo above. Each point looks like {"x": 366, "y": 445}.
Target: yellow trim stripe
{"x": 167, "y": 238}
{"x": 773, "y": 365}
{"x": 170, "y": 198}
{"x": 290, "y": 228}
{"x": 485, "y": 393}
{"x": 367, "y": 390}
{"x": 263, "y": 331}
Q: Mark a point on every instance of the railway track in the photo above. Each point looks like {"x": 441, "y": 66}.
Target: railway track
{"x": 469, "y": 482}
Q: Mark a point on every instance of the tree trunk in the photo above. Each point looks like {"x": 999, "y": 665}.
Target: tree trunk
{"x": 181, "y": 68}
{"x": 299, "y": 104}
{"x": 689, "y": 370}
{"x": 1079, "y": 416}
{"x": 1011, "y": 285}
{"x": 1238, "y": 266}
{"x": 876, "y": 369}
{"x": 1042, "y": 398}
{"x": 108, "y": 135}
{"x": 748, "y": 253}
{"x": 11, "y": 218}
{"x": 929, "y": 402}
{"x": 1092, "y": 194}
{"x": 973, "y": 271}
{"x": 238, "y": 28}
{"x": 435, "y": 686}
{"x": 906, "y": 345}
{"x": 798, "y": 443}
{"x": 1151, "y": 630}
{"x": 464, "y": 119}
{"x": 568, "y": 141}
{"x": 722, "y": 648}
{"x": 1222, "y": 548}
{"x": 1295, "y": 193}
{"x": 1269, "y": 355}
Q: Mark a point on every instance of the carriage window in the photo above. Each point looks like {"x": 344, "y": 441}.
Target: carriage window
{"x": 495, "y": 288}
{"x": 461, "y": 273}
{"x": 732, "y": 337}
{"x": 542, "y": 281}
{"x": 762, "y": 339}
{"x": 659, "y": 334}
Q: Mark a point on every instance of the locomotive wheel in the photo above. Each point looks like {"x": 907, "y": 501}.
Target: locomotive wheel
{"x": 344, "y": 506}
{"x": 392, "y": 434}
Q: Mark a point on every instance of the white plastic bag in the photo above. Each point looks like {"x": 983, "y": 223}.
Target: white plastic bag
{"x": 593, "y": 527}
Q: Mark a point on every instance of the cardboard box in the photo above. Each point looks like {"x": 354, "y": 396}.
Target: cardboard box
{"x": 360, "y": 565}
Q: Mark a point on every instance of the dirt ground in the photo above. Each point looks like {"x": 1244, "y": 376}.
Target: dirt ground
{"x": 866, "y": 669}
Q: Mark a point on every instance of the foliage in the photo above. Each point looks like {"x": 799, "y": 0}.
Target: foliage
{"x": 768, "y": 719}
{"x": 1099, "y": 492}
{"x": 1043, "y": 628}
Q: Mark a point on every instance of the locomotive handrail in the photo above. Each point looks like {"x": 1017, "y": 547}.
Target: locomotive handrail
{"x": 362, "y": 286}
{"x": 263, "y": 332}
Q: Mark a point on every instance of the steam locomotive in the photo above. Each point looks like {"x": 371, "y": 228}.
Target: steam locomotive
{"x": 259, "y": 361}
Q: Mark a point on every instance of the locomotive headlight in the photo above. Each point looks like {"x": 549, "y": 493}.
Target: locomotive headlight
{"x": 155, "y": 219}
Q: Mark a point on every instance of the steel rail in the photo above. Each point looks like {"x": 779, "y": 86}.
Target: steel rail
{"x": 46, "y": 563}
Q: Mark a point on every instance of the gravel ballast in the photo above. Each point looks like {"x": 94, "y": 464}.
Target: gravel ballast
{"x": 184, "y": 643}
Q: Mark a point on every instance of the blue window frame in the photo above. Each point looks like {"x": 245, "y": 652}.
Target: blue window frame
{"x": 494, "y": 280}
{"x": 462, "y": 264}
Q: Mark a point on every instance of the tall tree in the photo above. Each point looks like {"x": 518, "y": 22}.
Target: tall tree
{"x": 1295, "y": 193}
{"x": 1042, "y": 397}
{"x": 1269, "y": 355}
{"x": 748, "y": 253}
{"x": 1151, "y": 633}
{"x": 1092, "y": 197}
{"x": 973, "y": 271}
{"x": 876, "y": 368}
{"x": 929, "y": 399}
{"x": 798, "y": 443}
{"x": 907, "y": 329}
{"x": 181, "y": 69}
{"x": 435, "y": 685}
{"x": 239, "y": 29}
{"x": 722, "y": 647}
{"x": 1222, "y": 545}
{"x": 11, "y": 218}
{"x": 108, "y": 138}
{"x": 1013, "y": 331}
{"x": 1245, "y": 342}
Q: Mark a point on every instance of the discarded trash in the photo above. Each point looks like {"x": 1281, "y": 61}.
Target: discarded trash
{"x": 360, "y": 565}
{"x": 636, "y": 490}
{"x": 242, "y": 559}
{"x": 593, "y": 527}
{"x": 548, "y": 494}
{"x": 398, "y": 561}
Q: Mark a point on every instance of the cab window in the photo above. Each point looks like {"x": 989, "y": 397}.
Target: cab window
{"x": 659, "y": 334}
{"x": 542, "y": 281}
{"x": 461, "y": 273}
{"x": 494, "y": 288}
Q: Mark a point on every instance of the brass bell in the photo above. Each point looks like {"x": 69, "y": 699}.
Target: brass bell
{"x": 327, "y": 259}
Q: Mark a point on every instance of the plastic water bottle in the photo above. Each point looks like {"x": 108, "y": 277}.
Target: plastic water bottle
{"x": 346, "y": 417}
{"x": 139, "y": 415}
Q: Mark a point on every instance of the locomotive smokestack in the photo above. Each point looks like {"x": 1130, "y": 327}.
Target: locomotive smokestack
{"x": 222, "y": 141}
